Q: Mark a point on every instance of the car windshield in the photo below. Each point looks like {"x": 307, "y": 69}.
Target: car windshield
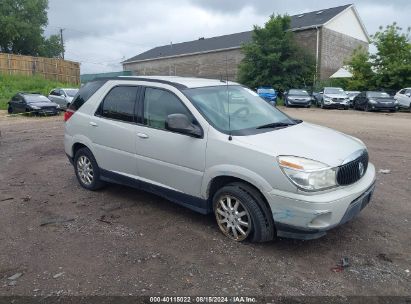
{"x": 298, "y": 92}
{"x": 333, "y": 91}
{"x": 71, "y": 92}
{"x": 378, "y": 95}
{"x": 266, "y": 91}
{"x": 247, "y": 110}
{"x": 36, "y": 98}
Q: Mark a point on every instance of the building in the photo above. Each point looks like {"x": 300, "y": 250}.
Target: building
{"x": 331, "y": 35}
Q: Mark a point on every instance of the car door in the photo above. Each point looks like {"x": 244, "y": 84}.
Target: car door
{"x": 407, "y": 98}
{"x": 19, "y": 104}
{"x": 401, "y": 97}
{"x": 112, "y": 130}
{"x": 168, "y": 159}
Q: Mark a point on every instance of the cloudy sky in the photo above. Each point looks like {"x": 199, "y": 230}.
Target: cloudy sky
{"x": 101, "y": 33}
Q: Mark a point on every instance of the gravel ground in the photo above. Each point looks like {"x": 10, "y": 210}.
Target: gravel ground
{"x": 59, "y": 239}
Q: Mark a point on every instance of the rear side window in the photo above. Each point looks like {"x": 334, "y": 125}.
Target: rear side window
{"x": 119, "y": 103}
{"x": 85, "y": 93}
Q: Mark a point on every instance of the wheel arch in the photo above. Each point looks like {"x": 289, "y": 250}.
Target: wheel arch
{"x": 222, "y": 180}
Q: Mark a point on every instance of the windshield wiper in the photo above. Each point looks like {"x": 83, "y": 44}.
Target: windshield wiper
{"x": 275, "y": 125}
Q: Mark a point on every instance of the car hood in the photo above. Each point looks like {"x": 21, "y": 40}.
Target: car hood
{"x": 43, "y": 104}
{"x": 335, "y": 95}
{"x": 267, "y": 94}
{"x": 305, "y": 140}
{"x": 299, "y": 97}
{"x": 383, "y": 99}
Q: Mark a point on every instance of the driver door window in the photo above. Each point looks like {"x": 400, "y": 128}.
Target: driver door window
{"x": 158, "y": 104}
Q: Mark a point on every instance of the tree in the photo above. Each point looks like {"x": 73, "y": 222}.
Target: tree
{"x": 22, "y": 25}
{"x": 274, "y": 58}
{"x": 389, "y": 67}
{"x": 361, "y": 68}
{"x": 51, "y": 47}
{"x": 392, "y": 61}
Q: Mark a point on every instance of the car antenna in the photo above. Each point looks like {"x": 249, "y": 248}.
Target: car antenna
{"x": 228, "y": 99}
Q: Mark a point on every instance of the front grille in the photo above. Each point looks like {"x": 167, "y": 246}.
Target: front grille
{"x": 338, "y": 99}
{"x": 351, "y": 172}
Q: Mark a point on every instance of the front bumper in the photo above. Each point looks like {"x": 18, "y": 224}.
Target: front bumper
{"x": 292, "y": 102}
{"x": 383, "y": 106}
{"x": 309, "y": 216}
{"x": 336, "y": 105}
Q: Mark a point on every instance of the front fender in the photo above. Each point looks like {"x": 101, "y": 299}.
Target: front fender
{"x": 233, "y": 171}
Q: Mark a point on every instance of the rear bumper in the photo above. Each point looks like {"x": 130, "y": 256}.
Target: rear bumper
{"x": 309, "y": 216}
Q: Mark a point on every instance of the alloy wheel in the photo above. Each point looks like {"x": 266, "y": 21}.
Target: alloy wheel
{"x": 85, "y": 170}
{"x": 233, "y": 218}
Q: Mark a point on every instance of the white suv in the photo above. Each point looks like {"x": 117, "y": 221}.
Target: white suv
{"x": 214, "y": 146}
{"x": 404, "y": 98}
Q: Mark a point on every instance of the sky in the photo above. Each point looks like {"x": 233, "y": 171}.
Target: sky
{"x": 101, "y": 33}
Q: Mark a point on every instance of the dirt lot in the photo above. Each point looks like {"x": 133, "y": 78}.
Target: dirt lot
{"x": 146, "y": 245}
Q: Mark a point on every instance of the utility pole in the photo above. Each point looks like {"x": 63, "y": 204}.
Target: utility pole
{"x": 62, "y": 42}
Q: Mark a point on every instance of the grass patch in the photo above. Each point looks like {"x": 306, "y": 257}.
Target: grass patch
{"x": 12, "y": 84}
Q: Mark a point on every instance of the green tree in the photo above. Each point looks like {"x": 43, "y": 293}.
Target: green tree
{"x": 392, "y": 61}
{"x": 362, "y": 69}
{"x": 51, "y": 47}
{"x": 274, "y": 58}
{"x": 22, "y": 25}
{"x": 389, "y": 67}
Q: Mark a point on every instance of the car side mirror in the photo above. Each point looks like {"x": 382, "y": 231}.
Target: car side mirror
{"x": 181, "y": 124}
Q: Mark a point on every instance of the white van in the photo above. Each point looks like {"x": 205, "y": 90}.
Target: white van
{"x": 217, "y": 147}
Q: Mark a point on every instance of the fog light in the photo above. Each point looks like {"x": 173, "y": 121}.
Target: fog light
{"x": 321, "y": 221}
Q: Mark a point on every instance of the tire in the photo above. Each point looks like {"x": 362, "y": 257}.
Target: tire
{"x": 260, "y": 224}
{"x": 89, "y": 176}
{"x": 10, "y": 110}
{"x": 367, "y": 108}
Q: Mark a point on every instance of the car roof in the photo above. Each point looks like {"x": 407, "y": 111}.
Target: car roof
{"x": 181, "y": 82}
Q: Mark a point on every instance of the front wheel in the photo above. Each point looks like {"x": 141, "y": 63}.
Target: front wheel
{"x": 241, "y": 214}
{"x": 87, "y": 170}
{"x": 10, "y": 110}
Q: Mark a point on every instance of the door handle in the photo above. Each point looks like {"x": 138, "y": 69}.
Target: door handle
{"x": 93, "y": 124}
{"x": 142, "y": 135}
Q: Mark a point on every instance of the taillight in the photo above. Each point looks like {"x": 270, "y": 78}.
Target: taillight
{"x": 68, "y": 114}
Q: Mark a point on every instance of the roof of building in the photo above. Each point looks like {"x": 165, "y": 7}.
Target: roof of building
{"x": 203, "y": 45}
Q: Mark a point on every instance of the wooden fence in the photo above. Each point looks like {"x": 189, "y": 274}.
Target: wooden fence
{"x": 50, "y": 68}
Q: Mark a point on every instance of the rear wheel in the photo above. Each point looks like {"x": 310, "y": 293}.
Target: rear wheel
{"x": 87, "y": 170}
{"x": 242, "y": 215}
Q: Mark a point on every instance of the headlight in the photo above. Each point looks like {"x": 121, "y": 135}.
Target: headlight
{"x": 372, "y": 101}
{"x": 395, "y": 101}
{"x": 327, "y": 99}
{"x": 35, "y": 107}
{"x": 310, "y": 175}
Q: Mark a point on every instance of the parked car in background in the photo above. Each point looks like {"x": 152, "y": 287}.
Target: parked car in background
{"x": 297, "y": 97}
{"x": 62, "y": 97}
{"x": 404, "y": 98}
{"x": 334, "y": 98}
{"x": 351, "y": 96}
{"x": 262, "y": 175}
{"x": 268, "y": 94}
{"x": 374, "y": 101}
{"x": 32, "y": 102}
